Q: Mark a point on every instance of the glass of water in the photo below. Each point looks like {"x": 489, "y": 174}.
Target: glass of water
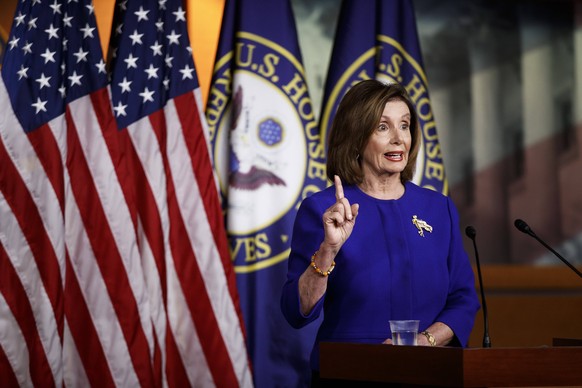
{"x": 404, "y": 332}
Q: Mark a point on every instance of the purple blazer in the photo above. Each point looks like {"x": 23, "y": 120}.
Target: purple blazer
{"x": 386, "y": 270}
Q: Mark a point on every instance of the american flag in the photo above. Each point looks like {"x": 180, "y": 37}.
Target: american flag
{"x": 114, "y": 268}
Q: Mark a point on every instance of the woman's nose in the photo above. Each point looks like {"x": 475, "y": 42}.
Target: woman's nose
{"x": 395, "y": 136}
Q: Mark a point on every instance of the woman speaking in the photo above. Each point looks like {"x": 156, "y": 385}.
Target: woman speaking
{"x": 375, "y": 247}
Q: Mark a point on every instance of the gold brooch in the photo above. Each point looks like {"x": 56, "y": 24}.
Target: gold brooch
{"x": 421, "y": 225}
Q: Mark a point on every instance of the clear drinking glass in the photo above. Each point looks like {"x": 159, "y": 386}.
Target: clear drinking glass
{"x": 404, "y": 332}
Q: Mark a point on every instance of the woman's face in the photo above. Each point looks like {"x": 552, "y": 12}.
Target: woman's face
{"x": 386, "y": 153}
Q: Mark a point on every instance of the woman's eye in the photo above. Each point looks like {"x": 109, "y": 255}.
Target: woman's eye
{"x": 382, "y": 127}
{"x": 404, "y": 126}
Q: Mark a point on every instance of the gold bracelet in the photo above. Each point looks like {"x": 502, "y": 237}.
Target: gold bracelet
{"x": 318, "y": 270}
{"x": 429, "y": 337}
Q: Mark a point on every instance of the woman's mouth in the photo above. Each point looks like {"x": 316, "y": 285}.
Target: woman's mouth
{"x": 394, "y": 156}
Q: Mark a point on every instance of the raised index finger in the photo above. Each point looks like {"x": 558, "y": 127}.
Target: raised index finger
{"x": 339, "y": 189}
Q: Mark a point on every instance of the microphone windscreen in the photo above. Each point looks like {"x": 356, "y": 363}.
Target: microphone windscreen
{"x": 470, "y": 232}
{"x": 522, "y": 226}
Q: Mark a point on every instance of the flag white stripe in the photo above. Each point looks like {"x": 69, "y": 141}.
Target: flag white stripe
{"x": 24, "y": 264}
{"x": 74, "y": 374}
{"x": 96, "y": 295}
{"x": 14, "y": 345}
{"x": 200, "y": 235}
{"x": 113, "y": 203}
{"x": 154, "y": 288}
{"x": 148, "y": 151}
{"x": 185, "y": 333}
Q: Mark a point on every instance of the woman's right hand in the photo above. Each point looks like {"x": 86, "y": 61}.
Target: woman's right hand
{"x": 339, "y": 219}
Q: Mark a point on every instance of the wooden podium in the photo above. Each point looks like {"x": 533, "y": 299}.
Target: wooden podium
{"x": 452, "y": 367}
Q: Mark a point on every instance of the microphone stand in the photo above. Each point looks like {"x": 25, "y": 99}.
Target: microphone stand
{"x": 522, "y": 226}
{"x": 471, "y": 233}
{"x": 555, "y": 253}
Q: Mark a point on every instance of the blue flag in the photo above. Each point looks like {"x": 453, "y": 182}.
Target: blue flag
{"x": 268, "y": 156}
{"x": 378, "y": 39}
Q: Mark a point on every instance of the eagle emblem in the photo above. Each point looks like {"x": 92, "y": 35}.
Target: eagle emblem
{"x": 245, "y": 174}
{"x": 421, "y": 225}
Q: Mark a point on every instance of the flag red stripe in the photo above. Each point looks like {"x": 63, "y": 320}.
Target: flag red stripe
{"x": 198, "y": 149}
{"x": 47, "y": 151}
{"x": 16, "y": 298}
{"x": 30, "y": 221}
{"x": 7, "y": 376}
{"x": 108, "y": 256}
{"x": 151, "y": 222}
{"x": 203, "y": 170}
{"x": 191, "y": 280}
{"x": 157, "y": 363}
{"x": 175, "y": 371}
{"x": 84, "y": 332}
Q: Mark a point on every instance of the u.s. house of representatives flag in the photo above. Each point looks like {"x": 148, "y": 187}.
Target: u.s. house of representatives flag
{"x": 268, "y": 156}
{"x": 156, "y": 99}
{"x": 378, "y": 39}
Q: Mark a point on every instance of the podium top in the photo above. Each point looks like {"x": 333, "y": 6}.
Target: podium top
{"x": 452, "y": 367}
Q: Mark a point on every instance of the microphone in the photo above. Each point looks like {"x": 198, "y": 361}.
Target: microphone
{"x": 472, "y": 233}
{"x": 522, "y": 226}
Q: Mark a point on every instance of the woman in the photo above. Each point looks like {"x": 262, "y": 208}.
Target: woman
{"x": 397, "y": 246}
